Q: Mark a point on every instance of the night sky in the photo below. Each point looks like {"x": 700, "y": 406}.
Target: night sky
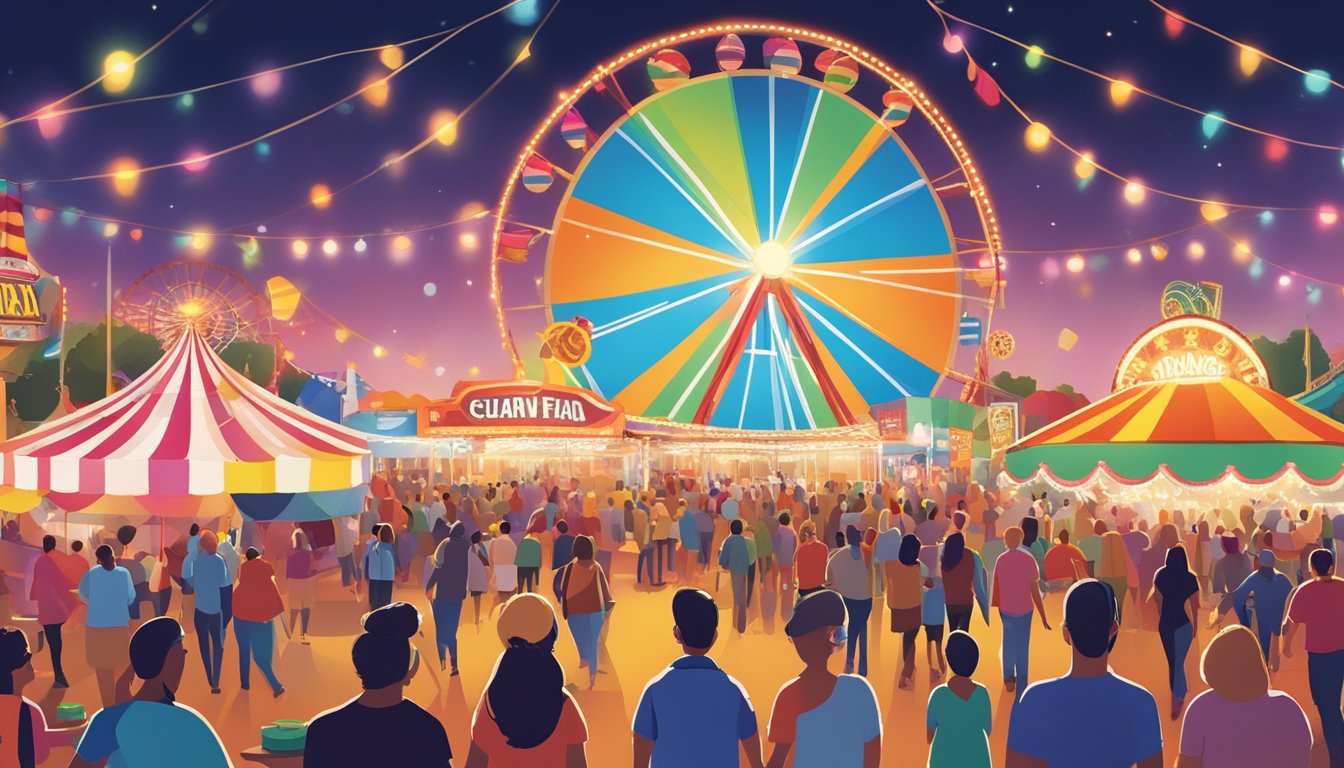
{"x": 48, "y": 49}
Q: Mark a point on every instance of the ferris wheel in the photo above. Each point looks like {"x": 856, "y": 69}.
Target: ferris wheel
{"x": 220, "y": 303}
{"x": 751, "y": 248}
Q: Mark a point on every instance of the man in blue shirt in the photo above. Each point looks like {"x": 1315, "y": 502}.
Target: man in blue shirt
{"x": 694, "y": 714}
{"x": 380, "y": 566}
{"x": 1055, "y": 723}
{"x": 209, "y": 574}
{"x": 1270, "y": 590}
{"x": 735, "y": 557}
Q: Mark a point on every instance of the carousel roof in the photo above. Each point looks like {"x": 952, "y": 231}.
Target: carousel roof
{"x": 1194, "y": 433}
{"x": 190, "y": 426}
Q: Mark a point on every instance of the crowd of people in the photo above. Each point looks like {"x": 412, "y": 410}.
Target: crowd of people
{"x": 541, "y": 556}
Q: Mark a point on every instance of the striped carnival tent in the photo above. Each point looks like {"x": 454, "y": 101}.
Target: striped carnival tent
{"x": 1207, "y": 439}
{"x": 192, "y": 437}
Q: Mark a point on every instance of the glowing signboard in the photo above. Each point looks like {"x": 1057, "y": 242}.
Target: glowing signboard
{"x": 1190, "y": 348}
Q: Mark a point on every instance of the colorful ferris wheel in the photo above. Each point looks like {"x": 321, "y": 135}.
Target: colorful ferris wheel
{"x": 754, "y": 248}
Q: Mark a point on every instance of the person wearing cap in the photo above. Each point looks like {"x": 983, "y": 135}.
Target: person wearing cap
{"x": 693, "y": 713}
{"x": 380, "y": 726}
{"x": 1269, "y": 590}
{"x": 824, "y": 719}
{"x": 1319, "y": 606}
{"x": 150, "y": 729}
{"x": 526, "y": 717}
{"x": 1055, "y": 721}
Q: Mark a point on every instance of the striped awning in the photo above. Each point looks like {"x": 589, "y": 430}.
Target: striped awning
{"x": 191, "y": 426}
{"x": 1195, "y": 433}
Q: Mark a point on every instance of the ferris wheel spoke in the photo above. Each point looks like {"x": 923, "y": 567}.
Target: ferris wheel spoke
{"x": 801, "y": 248}
{"x": 860, "y": 155}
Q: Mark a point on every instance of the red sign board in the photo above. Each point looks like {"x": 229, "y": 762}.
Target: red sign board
{"x": 520, "y": 407}
{"x": 891, "y": 422}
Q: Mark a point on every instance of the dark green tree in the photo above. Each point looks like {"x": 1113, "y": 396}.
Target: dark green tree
{"x": 254, "y": 359}
{"x": 35, "y": 393}
{"x": 1021, "y": 386}
{"x": 133, "y": 353}
{"x": 1284, "y": 359}
{"x": 291, "y": 383}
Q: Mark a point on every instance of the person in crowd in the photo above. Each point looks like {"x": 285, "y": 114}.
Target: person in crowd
{"x": 735, "y": 558}
{"x": 1229, "y": 572}
{"x": 933, "y": 615}
{"x": 785, "y": 544}
{"x": 585, "y": 598}
{"x": 903, "y": 584}
{"x": 959, "y": 715}
{"x": 232, "y": 562}
{"x": 404, "y": 544}
{"x": 661, "y": 531}
{"x": 528, "y": 556}
{"x": 1114, "y": 567}
{"x": 108, "y": 591}
{"x": 525, "y": 716}
{"x": 208, "y": 574}
{"x": 25, "y": 740}
{"x": 1054, "y": 723}
{"x": 1090, "y": 546}
{"x": 380, "y": 726}
{"x": 1176, "y": 590}
{"x": 1268, "y": 589}
{"x": 562, "y": 548}
{"x": 688, "y": 553}
{"x": 810, "y": 561}
{"x": 380, "y": 567}
{"x": 347, "y": 531}
{"x": 693, "y": 713}
{"x": 149, "y": 729}
{"x": 446, "y": 589}
{"x": 704, "y": 527}
{"x": 1228, "y": 724}
{"x": 126, "y": 559}
{"x": 1016, "y": 592}
{"x": 641, "y": 527}
{"x": 301, "y": 581}
{"x": 52, "y": 591}
{"x": 1064, "y": 563}
{"x": 1318, "y": 605}
{"x": 256, "y": 606}
{"x": 823, "y": 719}
{"x": 1032, "y": 541}
{"x": 503, "y": 551}
{"x": 613, "y": 533}
{"x": 1163, "y": 539}
{"x": 478, "y": 573}
{"x": 963, "y": 582}
{"x": 763, "y": 539}
{"x": 848, "y": 574}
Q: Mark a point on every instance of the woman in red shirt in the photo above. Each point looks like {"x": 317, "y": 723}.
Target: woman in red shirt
{"x": 256, "y": 604}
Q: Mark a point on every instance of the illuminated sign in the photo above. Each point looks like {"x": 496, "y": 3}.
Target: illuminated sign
{"x": 959, "y": 448}
{"x": 1190, "y": 348}
{"x": 18, "y": 301}
{"x": 1003, "y": 425}
{"x": 519, "y": 406}
{"x": 891, "y": 424}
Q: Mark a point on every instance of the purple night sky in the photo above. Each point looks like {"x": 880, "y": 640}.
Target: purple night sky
{"x": 54, "y": 47}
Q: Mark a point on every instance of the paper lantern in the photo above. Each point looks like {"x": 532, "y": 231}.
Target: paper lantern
{"x": 1120, "y": 92}
{"x": 896, "y": 107}
{"x": 782, "y": 56}
{"x": 730, "y": 53}
{"x": 1067, "y": 339}
{"x": 668, "y": 68}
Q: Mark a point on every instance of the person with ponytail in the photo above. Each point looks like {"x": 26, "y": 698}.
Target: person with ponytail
{"x": 526, "y": 717}
{"x": 381, "y": 726}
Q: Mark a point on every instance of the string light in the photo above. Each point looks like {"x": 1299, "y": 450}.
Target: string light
{"x": 118, "y": 71}
{"x": 1248, "y": 59}
{"x": 330, "y": 248}
{"x": 361, "y": 246}
{"x": 126, "y": 176}
{"x": 1285, "y": 281}
{"x": 320, "y": 196}
{"x": 1195, "y": 250}
{"x": 1133, "y": 256}
{"x": 1121, "y": 90}
{"x": 391, "y": 56}
{"x": 200, "y": 242}
{"x": 443, "y": 126}
{"x": 1084, "y": 168}
{"x": 1033, "y": 56}
{"x": 300, "y": 249}
{"x": 1075, "y": 264}
{"x": 1327, "y": 215}
{"x": 1135, "y": 192}
{"x": 1037, "y": 137}
{"x": 1213, "y": 212}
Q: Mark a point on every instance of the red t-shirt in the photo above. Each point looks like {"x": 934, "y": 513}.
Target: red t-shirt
{"x": 571, "y": 729}
{"x": 1320, "y": 606}
{"x": 810, "y": 564}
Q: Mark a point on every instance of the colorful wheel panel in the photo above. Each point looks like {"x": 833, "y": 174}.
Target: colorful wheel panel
{"x": 755, "y": 251}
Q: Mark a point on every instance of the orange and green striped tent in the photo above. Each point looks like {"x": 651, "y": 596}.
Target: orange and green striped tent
{"x": 1195, "y": 433}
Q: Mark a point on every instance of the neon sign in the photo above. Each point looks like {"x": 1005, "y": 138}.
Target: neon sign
{"x": 1190, "y": 348}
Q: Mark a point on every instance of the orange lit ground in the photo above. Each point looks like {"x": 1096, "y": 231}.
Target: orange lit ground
{"x": 639, "y": 645}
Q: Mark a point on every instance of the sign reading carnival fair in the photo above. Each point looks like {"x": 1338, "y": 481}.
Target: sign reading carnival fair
{"x": 1190, "y": 347}
{"x": 519, "y": 406}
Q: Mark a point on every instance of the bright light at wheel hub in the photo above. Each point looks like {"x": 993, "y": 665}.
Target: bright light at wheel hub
{"x": 771, "y": 259}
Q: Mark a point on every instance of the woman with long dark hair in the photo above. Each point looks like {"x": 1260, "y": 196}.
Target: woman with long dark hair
{"x": 904, "y": 588}
{"x": 525, "y": 717}
{"x": 1176, "y": 591}
{"x": 959, "y": 572}
{"x": 447, "y": 588}
{"x": 26, "y": 741}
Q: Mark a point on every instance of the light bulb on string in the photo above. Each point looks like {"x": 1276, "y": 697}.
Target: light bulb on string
{"x": 1195, "y": 250}
{"x": 300, "y": 249}
{"x": 330, "y": 248}
{"x": 1121, "y": 90}
{"x": 1316, "y": 82}
{"x": 125, "y": 176}
{"x": 1285, "y": 281}
{"x": 1034, "y": 56}
{"x": 1075, "y": 264}
{"x": 1037, "y": 137}
{"x": 391, "y": 56}
{"x": 320, "y": 196}
{"x": 1135, "y": 193}
{"x": 443, "y": 125}
{"x": 361, "y": 246}
{"x": 1248, "y": 59}
{"x": 118, "y": 71}
{"x": 1134, "y": 256}
{"x": 1327, "y": 214}
{"x": 1085, "y": 168}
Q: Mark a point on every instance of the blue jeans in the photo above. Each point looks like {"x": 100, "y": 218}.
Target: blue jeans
{"x": 586, "y": 627}
{"x": 226, "y": 604}
{"x": 447, "y": 615}
{"x": 670, "y": 546}
{"x": 857, "y": 629}
{"x": 646, "y": 557}
{"x": 210, "y": 633}
{"x": 256, "y": 640}
{"x": 706, "y": 544}
{"x": 1016, "y": 650}
{"x": 380, "y": 593}
{"x": 1176, "y": 644}
{"x": 349, "y": 572}
{"x": 1325, "y": 673}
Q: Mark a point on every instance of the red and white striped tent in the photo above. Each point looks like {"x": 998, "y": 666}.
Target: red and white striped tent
{"x": 191, "y": 429}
